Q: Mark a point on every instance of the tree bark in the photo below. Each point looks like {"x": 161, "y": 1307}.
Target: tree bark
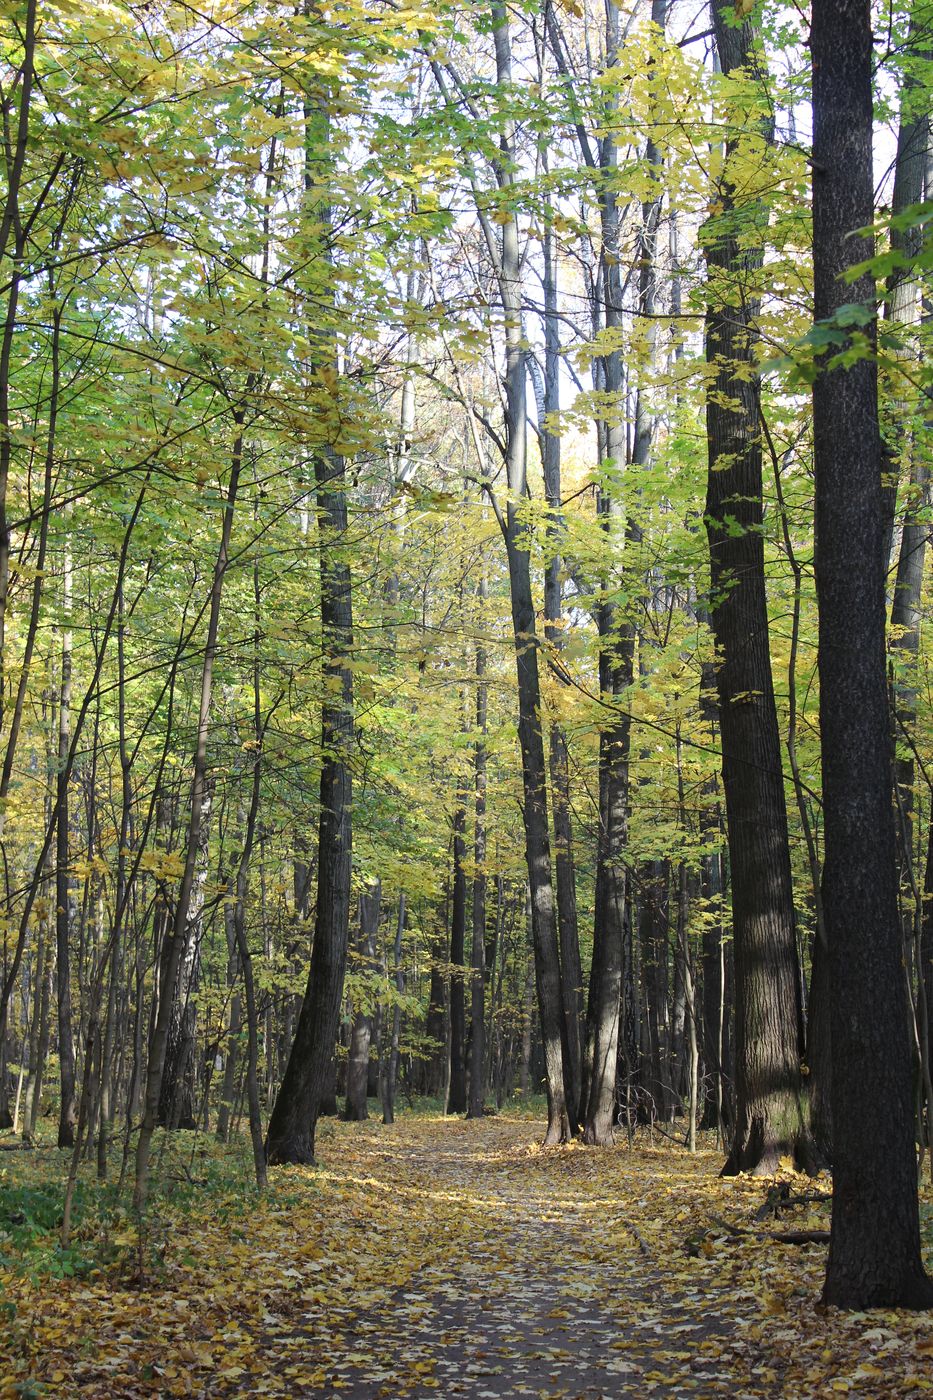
{"x": 770, "y": 1121}
{"x": 175, "y": 940}
{"x": 565, "y": 875}
{"x": 874, "y": 1253}
{"x": 307, "y": 1080}
{"x": 361, "y": 1035}
{"x": 390, "y": 1073}
{"x": 478, "y": 943}
{"x": 534, "y": 773}
{"x": 457, "y": 1091}
{"x": 653, "y": 945}
{"x": 64, "y": 898}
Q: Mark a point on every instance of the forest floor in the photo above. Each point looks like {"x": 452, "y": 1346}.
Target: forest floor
{"x": 434, "y": 1258}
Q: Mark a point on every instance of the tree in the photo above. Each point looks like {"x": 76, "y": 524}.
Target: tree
{"x": 770, "y": 1120}
{"x": 291, "y": 1132}
{"x": 874, "y": 1253}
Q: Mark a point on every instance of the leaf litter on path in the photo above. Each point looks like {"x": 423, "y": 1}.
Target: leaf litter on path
{"x": 448, "y": 1258}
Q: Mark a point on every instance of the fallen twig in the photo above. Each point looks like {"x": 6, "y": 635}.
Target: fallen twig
{"x": 783, "y": 1236}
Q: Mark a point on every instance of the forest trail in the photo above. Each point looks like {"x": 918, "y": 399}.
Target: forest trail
{"x": 536, "y": 1284}
{"x": 449, "y": 1258}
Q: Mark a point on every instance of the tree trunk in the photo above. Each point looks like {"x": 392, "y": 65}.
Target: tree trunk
{"x": 610, "y": 903}
{"x": 874, "y": 1253}
{"x": 910, "y": 172}
{"x": 64, "y": 898}
{"x": 174, "y": 946}
{"x": 361, "y": 1035}
{"x": 478, "y": 944}
{"x": 179, "y": 1088}
{"x": 819, "y": 1050}
{"x": 653, "y": 941}
{"x": 769, "y": 1113}
{"x": 457, "y": 1092}
{"x": 435, "y": 1027}
{"x": 506, "y": 257}
{"x": 568, "y": 931}
{"x": 390, "y": 1079}
{"x": 308, "y": 1075}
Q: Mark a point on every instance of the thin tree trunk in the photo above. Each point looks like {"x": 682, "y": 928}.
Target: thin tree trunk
{"x": 568, "y": 933}
{"x": 653, "y": 940}
{"x": 478, "y": 944}
{"x": 457, "y": 1091}
{"x": 390, "y": 1081}
{"x": 361, "y": 1035}
{"x": 174, "y": 947}
{"x": 64, "y": 901}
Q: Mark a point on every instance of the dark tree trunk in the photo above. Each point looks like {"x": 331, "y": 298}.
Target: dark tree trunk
{"x": 653, "y": 942}
{"x": 506, "y": 257}
{"x": 457, "y": 1094}
{"x": 435, "y": 1027}
{"x": 537, "y": 844}
{"x": 390, "y": 1072}
{"x": 176, "y": 1100}
{"x": 770, "y": 1121}
{"x": 819, "y": 1050}
{"x": 358, "y": 1062}
{"x": 605, "y": 998}
{"x": 478, "y": 944}
{"x": 629, "y": 1067}
{"x": 64, "y": 896}
{"x": 910, "y": 178}
{"x": 925, "y": 973}
{"x": 375, "y": 1054}
{"x": 568, "y": 931}
{"x": 713, "y": 971}
{"x": 308, "y": 1078}
{"x": 874, "y": 1253}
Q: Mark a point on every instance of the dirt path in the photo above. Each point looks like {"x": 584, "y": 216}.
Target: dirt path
{"x": 531, "y": 1286}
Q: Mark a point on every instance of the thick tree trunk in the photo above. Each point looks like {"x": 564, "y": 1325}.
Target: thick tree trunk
{"x": 874, "y": 1253}
{"x": 308, "y": 1074}
{"x": 770, "y": 1121}
{"x": 308, "y": 1079}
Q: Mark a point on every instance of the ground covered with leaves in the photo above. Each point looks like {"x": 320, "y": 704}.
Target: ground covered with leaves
{"x": 442, "y": 1258}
